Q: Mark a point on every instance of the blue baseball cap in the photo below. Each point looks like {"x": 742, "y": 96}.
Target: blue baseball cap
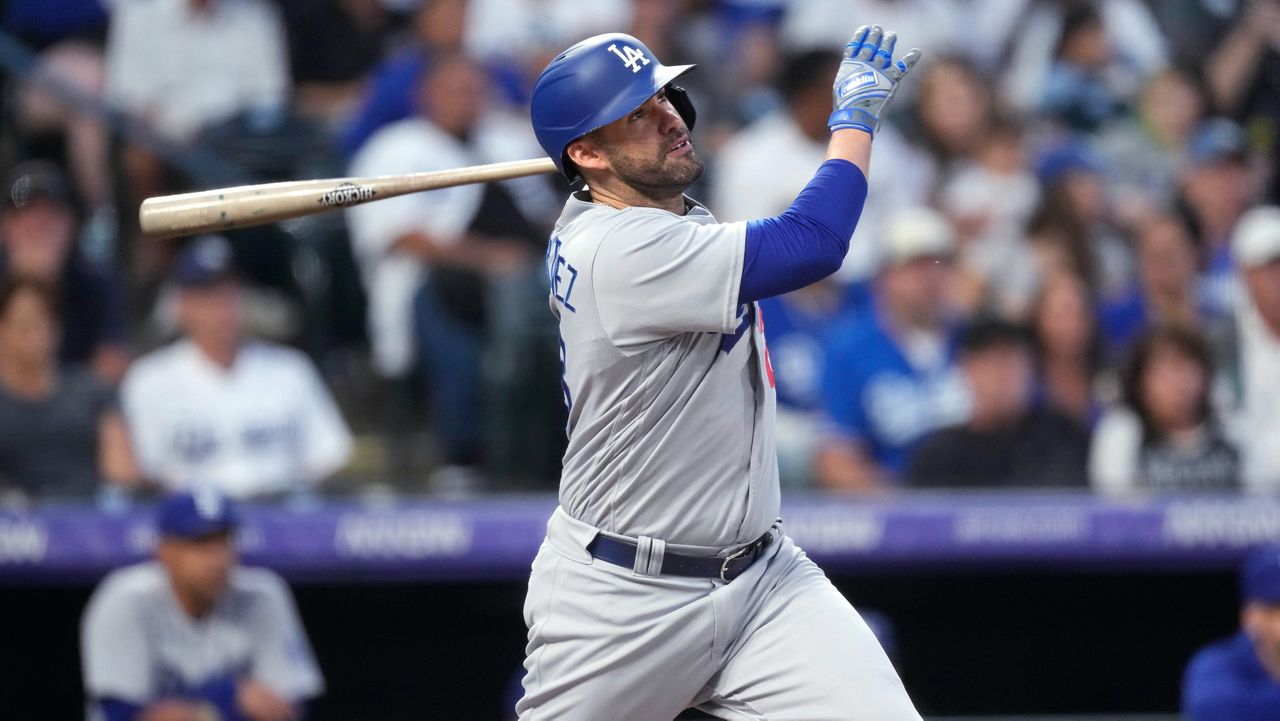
{"x": 204, "y": 261}
{"x": 1260, "y": 576}
{"x": 1066, "y": 157}
{"x": 196, "y": 514}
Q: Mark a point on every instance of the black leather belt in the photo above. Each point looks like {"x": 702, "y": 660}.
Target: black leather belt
{"x": 621, "y": 552}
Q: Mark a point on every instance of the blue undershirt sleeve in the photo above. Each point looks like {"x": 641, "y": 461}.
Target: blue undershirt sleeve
{"x": 808, "y": 241}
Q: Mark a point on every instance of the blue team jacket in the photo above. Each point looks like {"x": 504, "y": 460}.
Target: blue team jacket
{"x": 1226, "y": 682}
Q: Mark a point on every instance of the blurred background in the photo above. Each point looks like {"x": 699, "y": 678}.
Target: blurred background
{"x": 1031, "y": 426}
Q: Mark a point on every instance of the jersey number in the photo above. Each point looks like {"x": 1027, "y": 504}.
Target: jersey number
{"x": 630, "y": 57}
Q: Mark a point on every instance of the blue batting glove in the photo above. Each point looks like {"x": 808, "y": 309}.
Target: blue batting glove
{"x": 867, "y": 79}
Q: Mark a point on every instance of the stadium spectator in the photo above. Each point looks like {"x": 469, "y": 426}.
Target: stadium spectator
{"x": 798, "y": 324}
{"x": 1007, "y": 440}
{"x": 61, "y": 434}
{"x": 931, "y": 25}
{"x": 953, "y": 111}
{"x": 1147, "y": 147}
{"x": 989, "y": 200}
{"x": 889, "y": 377}
{"x": 1069, "y": 347}
{"x": 788, "y": 143}
{"x": 191, "y": 635}
{"x": 392, "y": 92}
{"x": 49, "y": 126}
{"x": 329, "y": 85}
{"x": 1076, "y": 90}
{"x": 1122, "y": 35}
{"x": 247, "y": 417}
{"x": 182, "y": 66}
{"x": 530, "y": 32}
{"x": 785, "y": 145}
{"x": 1256, "y": 248}
{"x": 425, "y": 257}
{"x": 1217, "y": 185}
{"x": 1167, "y": 291}
{"x": 1073, "y": 222}
{"x": 1238, "y": 679}
{"x": 1243, "y": 75}
{"x": 38, "y": 225}
{"x": 1164, "y": 438}
{"x": 44, "y": 24}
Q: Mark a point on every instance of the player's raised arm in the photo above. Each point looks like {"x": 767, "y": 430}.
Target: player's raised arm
{"x": 809, "y": 240}
{"x": 867, "y": 80}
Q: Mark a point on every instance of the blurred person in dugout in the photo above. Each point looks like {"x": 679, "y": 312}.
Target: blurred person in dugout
{"x": 215, "y": 407}
{"x": 890, "y": 376}
{"x": 1254, "y": 371}
{"x": 61, "y": 433}
{"x": 192, "y": 635}
{"x": 38, "y": 232}
{"x": 1238, "y": 678}
{"x": 1009, "y": 439}
{"x": 1165, "y": 436}
{"x": 452, "y": 275}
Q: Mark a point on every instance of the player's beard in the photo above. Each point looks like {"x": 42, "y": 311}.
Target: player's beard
{"x": 660, "y": 178}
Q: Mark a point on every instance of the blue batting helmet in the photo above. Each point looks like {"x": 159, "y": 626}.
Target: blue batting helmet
{"x": 594, "y": 83}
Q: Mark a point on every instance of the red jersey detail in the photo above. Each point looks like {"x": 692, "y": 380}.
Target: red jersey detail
{"x": 768, "y": 364}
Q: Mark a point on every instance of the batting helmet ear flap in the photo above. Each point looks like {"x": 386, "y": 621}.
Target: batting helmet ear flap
{"x": 683, "y": 105}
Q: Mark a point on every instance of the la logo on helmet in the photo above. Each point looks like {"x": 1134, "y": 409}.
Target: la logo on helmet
{"x": 630, "y": 57}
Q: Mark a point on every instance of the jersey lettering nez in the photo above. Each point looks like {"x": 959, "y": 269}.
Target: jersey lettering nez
{"x": 562, "y": 274}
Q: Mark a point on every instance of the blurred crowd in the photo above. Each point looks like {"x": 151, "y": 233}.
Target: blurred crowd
{"x": 1067, "y": 273}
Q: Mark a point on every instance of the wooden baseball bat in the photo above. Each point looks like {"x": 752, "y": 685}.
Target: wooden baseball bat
{"x": 245, "y": 205}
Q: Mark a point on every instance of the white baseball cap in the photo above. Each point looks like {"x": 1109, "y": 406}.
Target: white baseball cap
{"x": 916, "y": 232}
{"x": 1257, "y": 236}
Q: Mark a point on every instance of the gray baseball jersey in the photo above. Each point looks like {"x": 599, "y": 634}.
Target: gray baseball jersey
{"x": 138, "y": 645}
{"x": 666, "y": 376}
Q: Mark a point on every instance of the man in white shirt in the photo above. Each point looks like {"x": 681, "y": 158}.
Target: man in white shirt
{"x": 183, "y": 65}
{"x": 247, "y": 417}
{"x": 1256, "y": 247}
{"x": 426, "y": 258}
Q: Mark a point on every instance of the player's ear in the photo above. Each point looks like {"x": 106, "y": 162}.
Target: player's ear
{"x": 585, "y": 154}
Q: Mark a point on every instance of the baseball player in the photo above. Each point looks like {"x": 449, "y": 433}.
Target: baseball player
{"x": 191, "y": 637}
{"x": 665, "y": 580}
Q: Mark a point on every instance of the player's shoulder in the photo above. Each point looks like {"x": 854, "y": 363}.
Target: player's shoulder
{"x": 276, "y": 355}
{"x": 259, "y": 587}
{"x": 132, "y": 585}
{"x": 1222, "y": 654}
{"x": 159, "y": 365}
